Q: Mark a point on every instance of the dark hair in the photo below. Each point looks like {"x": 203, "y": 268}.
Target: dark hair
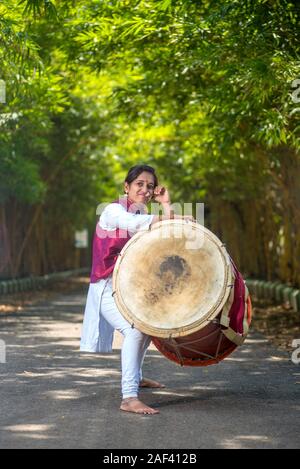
{"x": 135, "y": 171}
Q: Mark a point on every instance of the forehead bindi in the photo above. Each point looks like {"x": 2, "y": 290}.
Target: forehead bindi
{"x": 144, "y": 180}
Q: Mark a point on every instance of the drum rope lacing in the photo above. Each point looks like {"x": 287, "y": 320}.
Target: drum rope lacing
{"x": 177, "y": 350}
{"x": 178, "y": 346}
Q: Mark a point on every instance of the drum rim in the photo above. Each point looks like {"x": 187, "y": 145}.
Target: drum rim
{"x": 196, "y": 325}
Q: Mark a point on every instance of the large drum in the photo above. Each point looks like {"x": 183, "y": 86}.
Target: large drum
{"x": 178, "y": 284}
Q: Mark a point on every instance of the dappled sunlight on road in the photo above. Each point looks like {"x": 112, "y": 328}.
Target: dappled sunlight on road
{"x": 55, "y": 373}
{"x": 235, "y": 359}
{"x": 64, "y": 394}
{"x": 255, "y": 341}
{"x": 244, "y": 441}
{"x": 31, "y": 431}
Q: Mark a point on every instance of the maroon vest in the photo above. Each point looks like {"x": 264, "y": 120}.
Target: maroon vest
{"x": 107, "y": 245}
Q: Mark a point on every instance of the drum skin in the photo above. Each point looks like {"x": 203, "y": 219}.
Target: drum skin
{"x": 172, "y": 280}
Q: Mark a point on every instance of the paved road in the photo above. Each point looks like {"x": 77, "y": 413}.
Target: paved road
{"x": 52, "y": 396}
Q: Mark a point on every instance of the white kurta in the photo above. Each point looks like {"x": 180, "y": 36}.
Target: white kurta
{"x": 97, "y": 333}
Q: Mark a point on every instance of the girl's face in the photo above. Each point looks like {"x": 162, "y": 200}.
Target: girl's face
{"x": 141, "y": 189}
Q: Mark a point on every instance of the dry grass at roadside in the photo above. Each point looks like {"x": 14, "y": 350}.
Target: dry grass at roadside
{"x": 278, "y": 323}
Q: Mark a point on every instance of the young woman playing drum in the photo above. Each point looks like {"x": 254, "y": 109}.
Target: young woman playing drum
{"x": 118, "y": 222}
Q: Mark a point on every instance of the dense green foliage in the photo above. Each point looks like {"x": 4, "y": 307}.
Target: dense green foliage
{"x": 206, "y": 91}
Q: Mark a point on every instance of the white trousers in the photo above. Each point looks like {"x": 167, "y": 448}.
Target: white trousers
{"x": 134, "y": 347}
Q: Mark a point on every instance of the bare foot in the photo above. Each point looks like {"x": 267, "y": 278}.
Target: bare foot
{"x": 150, "y": 383}
{"x": 133, "y": 404}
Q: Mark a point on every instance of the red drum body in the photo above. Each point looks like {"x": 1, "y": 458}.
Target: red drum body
{"x": 206, "y": 347}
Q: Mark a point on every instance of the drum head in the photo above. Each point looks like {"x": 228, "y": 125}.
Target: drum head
{"x": 172, "y": 280}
